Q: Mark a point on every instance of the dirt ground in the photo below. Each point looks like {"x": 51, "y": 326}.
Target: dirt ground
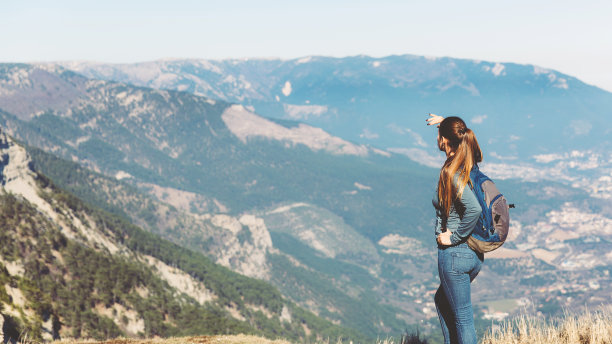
{"x": 234, "y": 339}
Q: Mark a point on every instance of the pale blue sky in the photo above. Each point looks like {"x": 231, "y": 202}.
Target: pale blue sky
{"x": 573, "y": 37}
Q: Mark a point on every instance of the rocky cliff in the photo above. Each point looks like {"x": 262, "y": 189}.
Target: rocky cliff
{"x": 68, "y": 269}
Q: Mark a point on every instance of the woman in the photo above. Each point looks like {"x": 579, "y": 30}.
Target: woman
{"x": 457, "y": 213}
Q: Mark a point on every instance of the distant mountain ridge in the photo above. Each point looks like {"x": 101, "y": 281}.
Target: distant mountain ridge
{"x": 519, "y": 110}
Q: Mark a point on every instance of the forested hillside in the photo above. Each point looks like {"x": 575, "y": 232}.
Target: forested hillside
{"x": 69, "y": 269}
{"x": 178, "y": 146}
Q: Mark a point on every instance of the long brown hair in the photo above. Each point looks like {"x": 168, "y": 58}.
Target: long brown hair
{"x": 467, "y": 153}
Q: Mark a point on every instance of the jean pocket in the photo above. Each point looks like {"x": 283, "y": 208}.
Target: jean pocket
{"x": 462, "y": 262}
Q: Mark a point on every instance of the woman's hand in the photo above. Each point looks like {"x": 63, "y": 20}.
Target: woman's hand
{"x": 444, "y": 238}
{"x": 434, "y": 119}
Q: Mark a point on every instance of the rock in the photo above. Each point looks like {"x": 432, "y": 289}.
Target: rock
{"x": 1, "y": 328}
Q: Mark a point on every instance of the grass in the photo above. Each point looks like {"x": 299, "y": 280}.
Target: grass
{"x": 586, "y": 328}
{"x": 223, "y": 339}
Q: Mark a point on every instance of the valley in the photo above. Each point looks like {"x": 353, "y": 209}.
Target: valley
{"x": 337, "y": 222}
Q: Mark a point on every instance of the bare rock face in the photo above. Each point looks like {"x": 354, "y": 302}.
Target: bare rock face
{"x": 246, "y": 248}
{"x": 14, "y": 161}
{"x": 245, "y": 124}
{"x": 17, "y": 175}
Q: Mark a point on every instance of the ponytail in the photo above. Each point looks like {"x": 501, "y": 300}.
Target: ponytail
{"x": 467, "y": 153}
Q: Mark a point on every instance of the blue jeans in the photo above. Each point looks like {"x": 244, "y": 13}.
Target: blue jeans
{"x": 457, "y": 266}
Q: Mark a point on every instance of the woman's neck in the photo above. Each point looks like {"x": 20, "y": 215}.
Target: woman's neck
{"x": 449, "y": 152}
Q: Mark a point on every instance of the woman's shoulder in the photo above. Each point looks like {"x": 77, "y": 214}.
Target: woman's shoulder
{"x": 459, "y": 178}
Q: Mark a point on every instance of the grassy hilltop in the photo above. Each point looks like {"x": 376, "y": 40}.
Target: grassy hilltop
{"x": 586, "y": 328}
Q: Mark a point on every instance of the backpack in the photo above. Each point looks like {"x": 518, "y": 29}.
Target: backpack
{"x": 492, "y": 229}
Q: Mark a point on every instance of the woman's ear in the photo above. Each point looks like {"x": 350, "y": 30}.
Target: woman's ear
{"x": 442, "y": 143}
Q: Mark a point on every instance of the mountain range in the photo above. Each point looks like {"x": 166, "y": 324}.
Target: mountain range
{"x": 220, "y": 173}
{"x": 518, "y": 110}
{"x": 71, "y": 270}
{"x": 339, "y": 224}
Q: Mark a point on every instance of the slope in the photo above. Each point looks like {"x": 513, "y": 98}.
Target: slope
{"x": 177, "y": 144}
{"x": 519, "y": 110}
{"x": 69, "y": 269}
{"x": 207, "y": 157}
{"x": 313, "y": 283}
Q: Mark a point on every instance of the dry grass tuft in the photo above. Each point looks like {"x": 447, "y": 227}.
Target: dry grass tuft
{"x": 233, "y": 339}
{"x": 587, "y": 328}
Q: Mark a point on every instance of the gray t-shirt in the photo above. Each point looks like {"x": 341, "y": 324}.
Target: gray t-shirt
{"x": 463, "y": 217}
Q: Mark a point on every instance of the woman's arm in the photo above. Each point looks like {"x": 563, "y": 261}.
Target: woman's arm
{"x": 470, "y": 216}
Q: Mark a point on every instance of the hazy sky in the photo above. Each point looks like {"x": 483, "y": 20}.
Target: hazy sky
{"x": 574, "y": 37}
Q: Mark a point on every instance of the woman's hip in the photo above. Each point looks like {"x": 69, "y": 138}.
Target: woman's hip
{"x": 459, "y": 259}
